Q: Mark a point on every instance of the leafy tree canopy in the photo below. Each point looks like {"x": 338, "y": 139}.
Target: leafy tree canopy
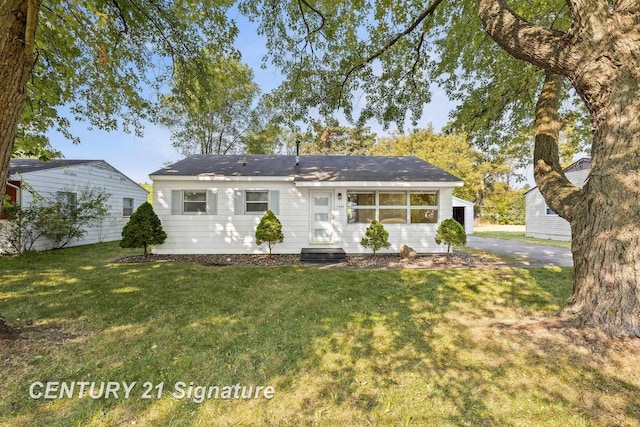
{"x": 377, "y": 60}
{"x": 210, "y": 106}
{"x": 451, "y": 153}
{"x": 332, "y": 138}
{"x": 104, "y": 61}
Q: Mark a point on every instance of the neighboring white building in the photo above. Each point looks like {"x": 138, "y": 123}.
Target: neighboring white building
{"x": 463, "y": 213}
{"x": 70, "y": 176}
{"x": 212, "y": 204}
{"x": 541, "y": 222}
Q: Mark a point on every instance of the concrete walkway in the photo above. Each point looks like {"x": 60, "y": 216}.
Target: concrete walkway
{"x": 538, "y": 254}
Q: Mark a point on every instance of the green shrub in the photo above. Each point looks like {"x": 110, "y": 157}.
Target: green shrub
{"x": 376, "y": 237}
{"x": 269, "y": 231}
{"x": 451, "y": 233}
{"x": 56, "y": 220}
{"x": 143, "y": 229}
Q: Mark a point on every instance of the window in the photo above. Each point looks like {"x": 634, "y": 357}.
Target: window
{"x": 424, "y": 208}
{"x": 361, "y": 207}
{"x": 392, "y": 207}
{"x": 194, "y": 201}
{"x": 256, "y": 201}
{"x": 68, "y": 201}
{"x": 127, "y": 206}
{"x": 550, "y": 211}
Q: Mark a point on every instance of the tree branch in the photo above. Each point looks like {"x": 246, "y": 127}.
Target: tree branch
{"x": 590, "y": 15}
{"x": 626, "y": 6}
{"x": 32, "y": 22}
{"x": 560, "y": 194}
{"x": 125, "y": 26}
{"x": 544, "y": 48}
{"x": 316, "y": 11}
{"x": 426, "y": 13}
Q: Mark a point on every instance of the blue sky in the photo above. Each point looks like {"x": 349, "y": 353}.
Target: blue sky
{"x": 138, "y": 157}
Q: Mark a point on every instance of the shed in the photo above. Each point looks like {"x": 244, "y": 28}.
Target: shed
{"x": 463, "y": 213}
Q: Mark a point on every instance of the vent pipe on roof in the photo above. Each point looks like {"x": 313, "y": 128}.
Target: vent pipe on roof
{"x": 297, "y": 153}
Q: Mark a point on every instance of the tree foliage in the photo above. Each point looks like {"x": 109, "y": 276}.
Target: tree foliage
{"x": 376, "y": 237}
{"x": 210, "y": 107}
{"x": 451, "y": 153}
{"x": 332, "y": 138}
{"x": 388, "y": 53}
{"x": 451, "y": 233}
{"x": 57, "y": 220}
{"x": 504, "y": 205}
{"x": 144, "y": 229}
{"x": 269, "y": 231}
{"x": 99, "y": 58}
{"x": 97, "y": 61}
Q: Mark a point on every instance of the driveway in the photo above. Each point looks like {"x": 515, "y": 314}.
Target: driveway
{"x": 538, "y": 254}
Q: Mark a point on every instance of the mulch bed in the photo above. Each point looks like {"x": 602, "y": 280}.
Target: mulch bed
{"x": 368, "y": 261}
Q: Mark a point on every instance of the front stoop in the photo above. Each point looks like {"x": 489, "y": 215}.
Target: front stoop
{"x": 323, "y": 255}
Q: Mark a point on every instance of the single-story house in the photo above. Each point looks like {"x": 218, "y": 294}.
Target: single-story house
{"x": 543, "y": 223}
{"x": 47, "y": 179}
{"x": 463, "y": 213}
{"x": 212, "y": 204}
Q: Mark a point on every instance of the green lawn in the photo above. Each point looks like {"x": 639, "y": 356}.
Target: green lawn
{"x": 519, "y": 237}
{"x": 340, "y": 347}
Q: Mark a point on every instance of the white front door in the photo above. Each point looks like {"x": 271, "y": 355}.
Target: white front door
{"x": 321, "y": 227}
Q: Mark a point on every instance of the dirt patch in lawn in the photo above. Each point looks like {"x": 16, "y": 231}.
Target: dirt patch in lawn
{"x": 367, "y": 261}
{"x": 6, "y": 331}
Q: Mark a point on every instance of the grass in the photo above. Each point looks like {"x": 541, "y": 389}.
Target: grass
{"x": 520, "y": 237}
{"x": 340, "y": 347}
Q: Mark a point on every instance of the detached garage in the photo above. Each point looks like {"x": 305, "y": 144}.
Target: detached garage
{"x": 463, "y": 213}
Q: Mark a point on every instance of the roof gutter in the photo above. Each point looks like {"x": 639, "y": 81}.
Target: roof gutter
{"x": 12, "y": 185}
{"x": 378, "y": 184}
{"x": 221, "y": 178}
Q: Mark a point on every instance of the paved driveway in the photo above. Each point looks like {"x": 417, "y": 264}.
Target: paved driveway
{"x": 538, "y": 254}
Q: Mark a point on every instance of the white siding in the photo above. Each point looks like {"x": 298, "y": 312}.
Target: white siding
{"x": 47, "y": 182}
{"x": 541, "y": 225}
{"x": 468, "y": 213}
{"x": 229, "y": 233}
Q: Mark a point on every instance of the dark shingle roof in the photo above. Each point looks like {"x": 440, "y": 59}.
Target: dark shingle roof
{"x": 33, "y": 165}
{"x": 311, "y": 168}
{"x": 581, "y": 164}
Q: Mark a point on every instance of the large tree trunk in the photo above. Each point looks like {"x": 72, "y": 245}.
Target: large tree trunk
{"x": 604, "y": 218}
{"x": 599, "y": 56}
{"x": 18, "y": 19}
{"x": 606, "y": 222}
{"x": 606, "y": 252}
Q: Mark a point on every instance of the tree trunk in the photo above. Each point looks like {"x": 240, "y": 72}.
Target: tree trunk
{"x": 599, "y": 55}
{"x": 606, "y": 223}
{"x": 604, "y": 218}
{"x": 18, "y": 19}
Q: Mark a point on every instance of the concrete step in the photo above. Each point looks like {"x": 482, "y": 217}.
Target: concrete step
{"x": 322, "y": 255}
